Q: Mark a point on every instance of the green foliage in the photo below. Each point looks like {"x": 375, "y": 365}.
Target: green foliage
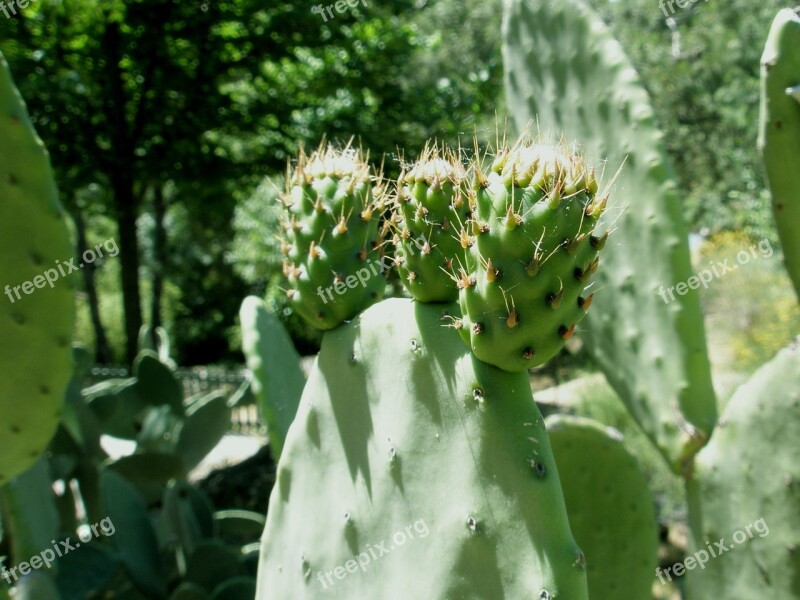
{"x": 456, "y": 460}
{"x": 134, "y": 538}
{"x": 703, "y": 78}
{"x": 161, "y": 523}
{"x": 566, "y": 72}
{"x": 197, "y": 106}
{"x": 255, "y": 252}
{"x": 751, "y": 309}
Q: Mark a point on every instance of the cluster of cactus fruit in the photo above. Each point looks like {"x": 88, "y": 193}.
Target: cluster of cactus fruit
{"x": 515, "y": 246}
{"x": 496, "y": 260}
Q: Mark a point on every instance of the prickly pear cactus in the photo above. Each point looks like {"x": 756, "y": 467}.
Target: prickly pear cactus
{"x": 441, "y": 487}
{"x": 779, "y": 135}
{"x": 332, "y": 247}
{"x": 564, "y": 70}
{"x": 36, "y": 310}
{"x": 431, "y": 209}
{"x": 610, "y": 507}
{"x": 278, "y": 379}
{"x": 532, "y": 248}
{"x": 746, "y": 490}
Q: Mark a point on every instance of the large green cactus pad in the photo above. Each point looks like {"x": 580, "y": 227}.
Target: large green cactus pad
{"x": 779, "y": 135}
{"x": 610, "y": 507}
{"x": 748, "y": 483}
{"x": 413, "y": 470}
{"x": 565, "y": 71}
{"x": 35, "y": 327}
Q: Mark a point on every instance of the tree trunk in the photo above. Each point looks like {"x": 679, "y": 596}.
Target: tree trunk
{"x": 124, "y": 199}
{"x": 121, "y": 176}
{"x": 159, "y": 255}
{"x": 102, "y": 352}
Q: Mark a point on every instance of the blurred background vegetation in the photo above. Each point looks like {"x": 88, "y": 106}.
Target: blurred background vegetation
{"x": 170, "y": 125}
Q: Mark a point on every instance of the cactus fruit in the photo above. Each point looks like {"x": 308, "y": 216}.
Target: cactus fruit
{"x": 431, "y": 208}
{"x": 332, "y": 248}
{"x": 532, "y": 247}
{"x": 746, "y": 490}
{"x": 610, "y": 507}
{"x": 278, "y": 379}
{"x": 442, "y": 487}
{"x": 779, "y": 134}
{"x": 565, "y": 71}
{"x": 33, "y": 238}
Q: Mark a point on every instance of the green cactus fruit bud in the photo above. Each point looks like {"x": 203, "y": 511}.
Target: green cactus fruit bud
{"x": 431, "y": 208}
{"x": 443, "y": 487}
{"x": 532, "y": 249}
{"x": 36, "y": 316}
{"x": 610, "y": 507}
{"x": 332, "y": 246}
{"x": 779, "y": 135}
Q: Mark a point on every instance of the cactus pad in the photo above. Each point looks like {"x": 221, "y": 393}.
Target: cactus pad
{"x": 414, "y": 470}
{"x": 565, "y": 71}
{"x": 532, "y": 248}
{"x": 332, "y": 248}
{"x": 779, "y": 135}
{"x": 278, "y": 379}
{"x": 610, "y": 507}
{"x": 748, "y": 482}
{"x": 35, "y": 324}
